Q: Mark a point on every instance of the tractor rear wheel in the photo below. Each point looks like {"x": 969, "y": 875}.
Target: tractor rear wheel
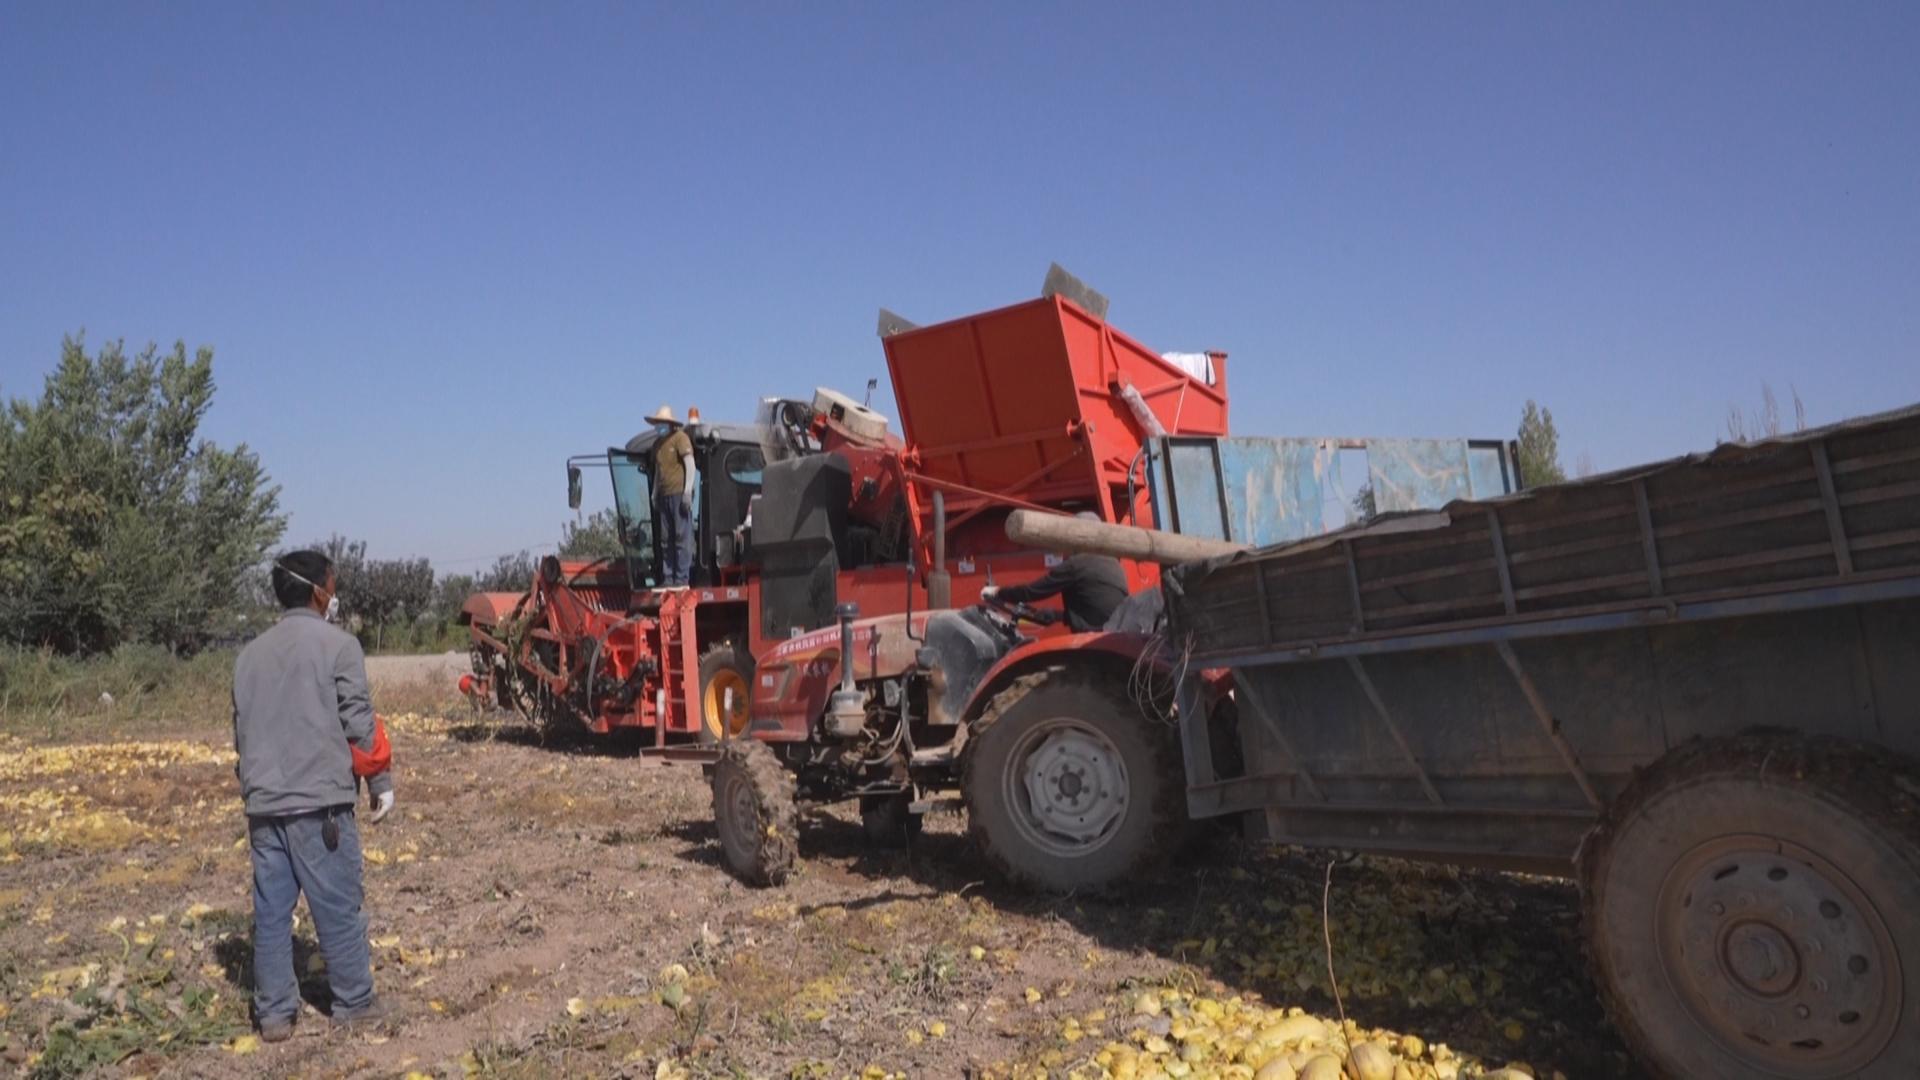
{"x": 754, "y": 813}
{"x": 1069, "y": 784}
{"x": 1750, "y": 909}
{"x": 726, "y": 692}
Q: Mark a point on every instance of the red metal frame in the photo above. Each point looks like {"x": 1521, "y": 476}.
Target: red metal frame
{"x": 1019, "y": 407}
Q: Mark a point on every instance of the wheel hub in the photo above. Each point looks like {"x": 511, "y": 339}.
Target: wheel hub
{"x": 1075, "y": 784}
{"x": 1760, "y": 959}
{"x": 742, "y": 814}
{"x": 1779, "y": 955}
{"x": 725, "y": 704}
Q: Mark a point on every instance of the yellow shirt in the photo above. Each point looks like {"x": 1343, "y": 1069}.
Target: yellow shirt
{"x": 669, "y": 474}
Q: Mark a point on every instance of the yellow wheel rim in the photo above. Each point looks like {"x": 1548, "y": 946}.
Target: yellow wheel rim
{"x": 723, "y": 721}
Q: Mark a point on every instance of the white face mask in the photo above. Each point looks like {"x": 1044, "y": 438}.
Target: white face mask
{"x": 333, "y": 609}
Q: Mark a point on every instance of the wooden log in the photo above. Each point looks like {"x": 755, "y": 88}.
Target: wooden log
{"x": 1075, "y": 536}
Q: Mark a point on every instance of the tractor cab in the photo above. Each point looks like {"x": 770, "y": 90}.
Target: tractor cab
{"x": 728, "y": 463}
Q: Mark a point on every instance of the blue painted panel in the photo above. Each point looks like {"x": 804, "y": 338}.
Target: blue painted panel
{"x": 1416, "y": 474}
{"x": 1275, "y": 487}
{"x": 1277, "y": 490}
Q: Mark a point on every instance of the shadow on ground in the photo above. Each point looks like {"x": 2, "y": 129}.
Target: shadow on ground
{"x": 1493, "y": 960}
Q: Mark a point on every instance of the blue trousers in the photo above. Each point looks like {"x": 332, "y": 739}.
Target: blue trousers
{"x": 290, "y": 858}
{"x": 676, "y": 538}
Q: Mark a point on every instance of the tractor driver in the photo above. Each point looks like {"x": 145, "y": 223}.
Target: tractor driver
{"x": 1090, "y": 587}
{"x": 673, "y": 482}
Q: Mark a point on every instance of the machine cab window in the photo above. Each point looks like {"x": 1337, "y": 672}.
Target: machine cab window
{"x": 633, "y": 513}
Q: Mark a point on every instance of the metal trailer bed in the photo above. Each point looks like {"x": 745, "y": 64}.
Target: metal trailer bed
{"x": 1485, "y": 683}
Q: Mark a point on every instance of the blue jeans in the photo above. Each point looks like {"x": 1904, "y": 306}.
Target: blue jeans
{"x": 291, "y": 858}
{"x": 676, "y": 538}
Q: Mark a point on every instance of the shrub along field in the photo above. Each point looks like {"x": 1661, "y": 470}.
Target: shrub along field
{"x": 559, "y": 909}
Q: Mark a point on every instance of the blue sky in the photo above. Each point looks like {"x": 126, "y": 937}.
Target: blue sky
{"x": 437, "y": 248}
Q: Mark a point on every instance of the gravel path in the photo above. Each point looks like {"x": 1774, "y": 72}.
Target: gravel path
{"x": 400, "y": 670}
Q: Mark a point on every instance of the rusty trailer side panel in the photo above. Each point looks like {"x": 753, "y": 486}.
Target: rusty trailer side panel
{"x": 1482, "y": 681}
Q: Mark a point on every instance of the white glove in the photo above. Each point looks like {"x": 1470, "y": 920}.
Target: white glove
{"x": 382, "y": 803}
{"x": 988, "y": 592}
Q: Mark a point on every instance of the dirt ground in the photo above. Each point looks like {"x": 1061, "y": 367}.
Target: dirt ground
{"x": 541, "y": 909}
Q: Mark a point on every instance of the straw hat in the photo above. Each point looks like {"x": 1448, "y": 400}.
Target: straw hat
{"x": 664, "y": 415}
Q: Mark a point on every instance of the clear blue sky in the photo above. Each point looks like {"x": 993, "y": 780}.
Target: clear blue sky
{"x": 438, "y": 247}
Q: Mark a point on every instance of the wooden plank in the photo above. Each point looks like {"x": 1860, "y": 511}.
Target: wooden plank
{"x": 1438, "y": 573}
{"x": 1774, "y": 512}
{"x": 1845, "y": 466}
{"x": 1883, "y": 493}
{"x": 1568, "y": 588}
{"x": 1523, "y": 526}
{"x": 1742, "y": 562}
{"x": 1576, "y": 547}
{"x": 1723, "y": 487}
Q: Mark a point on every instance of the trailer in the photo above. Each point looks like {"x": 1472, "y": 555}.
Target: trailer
{"x": 1693, "y": 686}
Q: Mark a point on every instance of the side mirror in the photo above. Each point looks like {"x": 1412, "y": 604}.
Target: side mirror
{"x": 573, "y": 487}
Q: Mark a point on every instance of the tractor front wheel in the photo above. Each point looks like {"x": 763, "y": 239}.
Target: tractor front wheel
{"x": 1069, "y": 784}
{"x": 1750, "y": 910}
{"x": 753, "y": 810}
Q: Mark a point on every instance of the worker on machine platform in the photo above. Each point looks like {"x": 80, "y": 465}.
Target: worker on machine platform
{"x": 673, "y": 482}
{"x": 1090, "y": 587}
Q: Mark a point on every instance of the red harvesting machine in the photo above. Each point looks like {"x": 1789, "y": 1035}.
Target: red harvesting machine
{"x": 819, "y": 534}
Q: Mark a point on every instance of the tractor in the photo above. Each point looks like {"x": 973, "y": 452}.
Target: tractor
{"x": 819, "y": 655}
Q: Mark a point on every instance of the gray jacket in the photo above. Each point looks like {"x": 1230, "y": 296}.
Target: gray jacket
{"x": 299, "y": 693}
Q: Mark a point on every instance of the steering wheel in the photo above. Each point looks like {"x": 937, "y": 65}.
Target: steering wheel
{"x": 1020, "y": 612}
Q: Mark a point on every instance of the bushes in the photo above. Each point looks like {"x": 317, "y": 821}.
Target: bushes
{"x": 43, "y": 690}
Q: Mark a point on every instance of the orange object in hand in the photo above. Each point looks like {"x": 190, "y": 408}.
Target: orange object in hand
{"x": 373, "y": 763}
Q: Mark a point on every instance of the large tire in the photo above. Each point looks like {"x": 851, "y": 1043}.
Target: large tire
{"x": 1069, "y": 785}
{"x": 754, "y": 813}
{"x": 725, "y": 666}
{"x": 1751, "y": 911}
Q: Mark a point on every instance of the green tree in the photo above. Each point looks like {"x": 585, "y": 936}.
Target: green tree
{"x": 1364, "y": 507}
{"x": 1539, "y": 447}
{"x": 120, "y": 523}
{"x": 510, "y": 573}
{"x": 598, "y": 537}
{"x": 450, "y": 595}
{"x": 377, "y": 592}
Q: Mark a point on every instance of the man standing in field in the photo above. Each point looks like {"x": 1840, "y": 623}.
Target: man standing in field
{"x": 673, "y": 480}
{"x": 304, "y": 728}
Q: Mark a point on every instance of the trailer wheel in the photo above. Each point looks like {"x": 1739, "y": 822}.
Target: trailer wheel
{"x": 1750, "y": 907}
{"x": 726, "y": 689}
{"x": 754, "y": 813}
{"x": 888, "y": 820}
{"x": 1068, "y": 785}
